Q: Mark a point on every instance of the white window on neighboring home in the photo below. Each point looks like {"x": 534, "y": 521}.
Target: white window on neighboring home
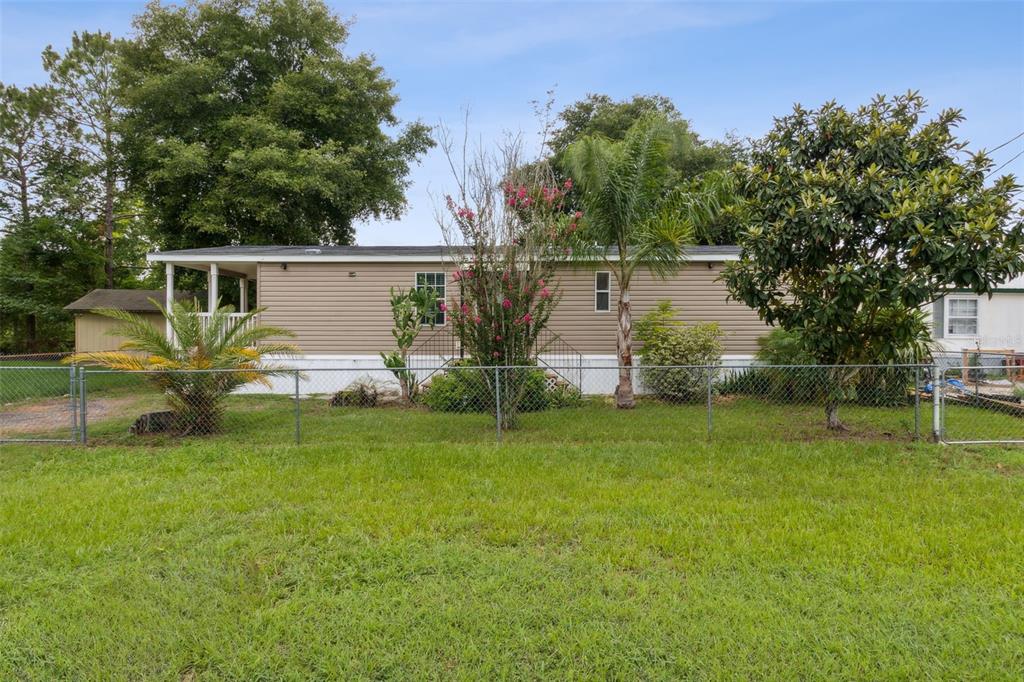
{"x": 436, "y": 282}
{"x": 602, "y": 291}
{"x": 962, "y": 316}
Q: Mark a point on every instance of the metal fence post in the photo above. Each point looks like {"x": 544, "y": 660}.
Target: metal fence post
{"x": 710, "y": 424}
{"x": 298, "y": 412}
{"x": 73, "y": 401}
{"x": 937, "y": 381}
{"x": 497, "y": 401}
{"x": 917, "y": 403}
{"x": 83, "y": 403}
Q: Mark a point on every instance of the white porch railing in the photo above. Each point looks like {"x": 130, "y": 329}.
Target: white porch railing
{"x": 204, "y": 320}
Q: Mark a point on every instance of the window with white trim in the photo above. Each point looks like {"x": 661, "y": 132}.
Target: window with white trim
{"x": 602, "y": 291}
{"x": 962, "y": 316}
{"x": 436, "y": 282}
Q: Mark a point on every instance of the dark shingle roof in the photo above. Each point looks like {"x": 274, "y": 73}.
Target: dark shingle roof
{"x": 370, "y": 252}
{"x": 132, "y": 300}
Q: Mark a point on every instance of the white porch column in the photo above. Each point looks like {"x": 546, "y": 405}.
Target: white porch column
{"x": 169, "y": 296}
{"x": 212, "y": 293}
{"x": 243, "y": 295}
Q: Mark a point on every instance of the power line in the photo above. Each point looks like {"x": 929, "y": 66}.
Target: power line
{"x": 1011, "y": 160}
{"x": 1020, "y": 134}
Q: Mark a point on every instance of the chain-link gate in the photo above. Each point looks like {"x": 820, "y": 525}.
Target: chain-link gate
{"x": 39, "y": 404}
{"x": 981, "y": 404}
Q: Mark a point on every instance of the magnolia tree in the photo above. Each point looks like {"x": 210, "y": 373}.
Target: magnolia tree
{"x": 506, "y": 227}
{"x": 857, "y": 218}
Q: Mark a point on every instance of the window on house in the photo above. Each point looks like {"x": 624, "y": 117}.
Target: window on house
{"x": 602, "y": 291}
{"x": 436, "y": 282}
{"x": 962, "y": 316}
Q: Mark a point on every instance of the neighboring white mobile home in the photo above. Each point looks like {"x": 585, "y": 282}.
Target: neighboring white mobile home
{"x": 963, "y": 322}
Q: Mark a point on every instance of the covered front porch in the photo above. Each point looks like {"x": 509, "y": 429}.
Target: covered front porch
{"x": 217, "y": 290}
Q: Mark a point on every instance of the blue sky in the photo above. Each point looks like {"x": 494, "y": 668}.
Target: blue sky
{"x": 727, "y": 66}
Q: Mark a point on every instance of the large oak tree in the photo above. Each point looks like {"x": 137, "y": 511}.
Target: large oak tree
{"x": 247, "y": 124}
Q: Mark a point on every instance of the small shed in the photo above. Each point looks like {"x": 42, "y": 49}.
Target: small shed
{"x": 92, "y": 331}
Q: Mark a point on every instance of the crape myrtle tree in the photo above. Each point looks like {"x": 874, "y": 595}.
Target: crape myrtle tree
{"x": 246, "y": 123}
{"x": 634, "y": 216}
{"x": 858, "y": 218}
{"x": 506, "y": 229}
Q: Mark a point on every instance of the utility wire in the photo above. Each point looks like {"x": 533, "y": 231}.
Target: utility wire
{"x": 1011, "y": 160}
{"x": 1018, "y": 135}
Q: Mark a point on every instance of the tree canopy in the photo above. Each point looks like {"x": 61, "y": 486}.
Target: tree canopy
{"x": 45, "y": 263}
{"x": 688, "y": 154}
{"x": 246, "y": 123}
{"x": 858, "y": 218}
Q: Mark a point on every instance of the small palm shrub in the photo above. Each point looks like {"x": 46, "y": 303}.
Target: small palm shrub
{"x": 667, "y": 342}
{"x": 202, "y": 366}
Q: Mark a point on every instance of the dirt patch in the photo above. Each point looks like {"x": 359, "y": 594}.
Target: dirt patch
{"x": 54, "y": 415}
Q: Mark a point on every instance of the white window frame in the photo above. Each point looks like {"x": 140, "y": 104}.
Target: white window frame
{"x": 948, "y": 318}
{"x": 603, "y": 291}
{"x": 440, "y": 299}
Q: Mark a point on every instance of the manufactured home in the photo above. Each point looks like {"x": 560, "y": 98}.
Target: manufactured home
{"x": 336, "y": 299}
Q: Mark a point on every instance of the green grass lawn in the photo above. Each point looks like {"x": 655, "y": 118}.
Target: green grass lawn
{"x": 592, "y": 543}
{"x": 30, "y": 379}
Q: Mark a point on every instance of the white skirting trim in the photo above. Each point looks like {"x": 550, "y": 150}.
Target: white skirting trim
{"x": 326, "y": 374}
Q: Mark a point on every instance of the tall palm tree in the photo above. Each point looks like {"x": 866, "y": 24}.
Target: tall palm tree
{"x": 222, "y": 352}
{"x": 633, "y": 217}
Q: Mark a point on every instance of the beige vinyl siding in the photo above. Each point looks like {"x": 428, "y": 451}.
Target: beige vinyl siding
{"x": 91, "y": 331}
{"x": 693, "y": 290}
{"x": 331, "y": 311}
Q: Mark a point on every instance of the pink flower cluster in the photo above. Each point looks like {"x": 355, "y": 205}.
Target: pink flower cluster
{"x": 463, "y": 213}
{"x": 521, "y": 196}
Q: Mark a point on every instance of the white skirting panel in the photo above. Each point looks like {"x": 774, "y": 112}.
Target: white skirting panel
{"x": 326, "y": 374}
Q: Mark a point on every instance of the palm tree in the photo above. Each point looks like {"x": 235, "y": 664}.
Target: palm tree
{"x": 632, "y": 217}
{"x": 206, "y": 361}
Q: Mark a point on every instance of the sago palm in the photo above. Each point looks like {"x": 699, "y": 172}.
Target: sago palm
{"x": 632, "y": 218}
{"x": 223, "y": 353}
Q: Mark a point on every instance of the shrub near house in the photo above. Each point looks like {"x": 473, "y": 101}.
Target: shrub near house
{"x": 667, "y": 342}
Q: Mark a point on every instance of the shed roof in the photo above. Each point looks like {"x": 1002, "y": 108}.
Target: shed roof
{"x": 132, "y": 300}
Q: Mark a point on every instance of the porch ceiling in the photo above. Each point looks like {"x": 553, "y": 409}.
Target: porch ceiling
{"x": 231, "y": 269}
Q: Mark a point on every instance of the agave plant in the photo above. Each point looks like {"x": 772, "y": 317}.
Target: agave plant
{"x": 223, "y": 352}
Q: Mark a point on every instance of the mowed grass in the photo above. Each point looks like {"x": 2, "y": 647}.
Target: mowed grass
{"x": 22, "y": 380}
{"x": 591, "y": 543}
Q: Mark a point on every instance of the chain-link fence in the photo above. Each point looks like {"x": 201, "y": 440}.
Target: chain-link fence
{"x": 461, "y": 403}
{"x": 982, "y": 404}
{"x": 38, "y": 403}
